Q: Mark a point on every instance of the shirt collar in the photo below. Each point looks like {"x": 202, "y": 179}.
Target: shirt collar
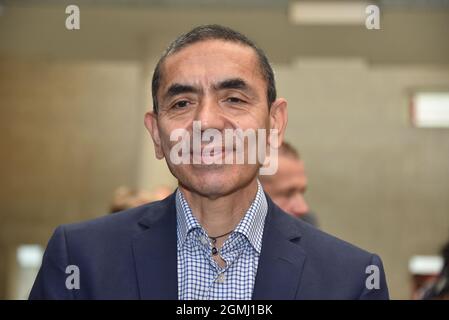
{"x": 251, "y": 226}
{"x": 186, "y": 221}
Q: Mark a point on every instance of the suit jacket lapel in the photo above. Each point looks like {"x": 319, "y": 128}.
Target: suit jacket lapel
{"x": 281, "y": 260}
{"x": 155, "y": 253}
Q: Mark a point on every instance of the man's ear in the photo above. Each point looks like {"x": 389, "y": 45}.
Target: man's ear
{"x": 278, "y": 119}
{"x": 153, "y": 129}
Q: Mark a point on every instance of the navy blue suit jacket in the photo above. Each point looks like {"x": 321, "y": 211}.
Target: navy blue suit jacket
{"x": 132, "y": 255}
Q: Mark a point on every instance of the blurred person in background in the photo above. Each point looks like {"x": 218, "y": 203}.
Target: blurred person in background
{"x": 288, "y": 185}
{"x": 439, "y": 290}
{"x": 127, "y": 198}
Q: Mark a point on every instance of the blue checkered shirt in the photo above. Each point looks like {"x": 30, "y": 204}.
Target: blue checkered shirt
{"x": 199, "y": 276}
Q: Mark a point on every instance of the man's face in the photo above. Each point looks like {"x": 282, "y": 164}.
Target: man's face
{"x": 288, "y": 186}
{"x": 221, "y": 85}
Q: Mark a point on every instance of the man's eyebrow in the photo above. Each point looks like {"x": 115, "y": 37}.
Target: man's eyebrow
{"x": 178, "y": 88}
{"x": 234, "y": 83}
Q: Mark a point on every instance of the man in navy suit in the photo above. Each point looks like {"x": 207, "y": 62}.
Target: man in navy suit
{"x": 219, "y": 236}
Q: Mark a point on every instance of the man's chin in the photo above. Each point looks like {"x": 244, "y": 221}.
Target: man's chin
{"x": 213, "y": 183}
{"x": 208, "y": 189}
{"x": 211, "y": 174}
{"x": 213, "y": 180}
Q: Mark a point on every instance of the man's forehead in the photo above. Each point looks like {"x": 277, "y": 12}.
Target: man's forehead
{"x": 289, "y": 165}
{"x": 210, "y": 62}
{"x": 290, "y": 173}
{"x": 214, "y": 47}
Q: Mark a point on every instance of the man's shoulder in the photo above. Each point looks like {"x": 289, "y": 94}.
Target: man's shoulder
{"x": 333, "y": 268}
{"x": 314, "y": 237}
{"x": 320, "y": 244}
{"x": 123, "y": 223}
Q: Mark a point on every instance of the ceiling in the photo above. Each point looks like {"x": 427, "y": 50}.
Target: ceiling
{"x": 412, "y": 32}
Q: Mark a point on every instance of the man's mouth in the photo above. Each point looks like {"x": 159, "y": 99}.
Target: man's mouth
{"x": 211, "y": 155}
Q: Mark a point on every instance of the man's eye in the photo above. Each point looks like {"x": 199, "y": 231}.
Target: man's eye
{"x": 234, "y": 100}
{"x": 181, "y": 104}
{"x": 291, "y": 193}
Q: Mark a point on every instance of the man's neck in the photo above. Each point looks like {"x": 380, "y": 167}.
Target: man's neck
{"x": 221, "y": 215}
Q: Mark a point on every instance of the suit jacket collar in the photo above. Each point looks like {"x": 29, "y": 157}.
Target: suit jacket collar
{"x": 282, "y": 259}
{"x": 155, "y": 254}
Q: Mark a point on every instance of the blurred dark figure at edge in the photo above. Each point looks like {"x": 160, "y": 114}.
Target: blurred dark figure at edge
{"x": 440, "y": 288}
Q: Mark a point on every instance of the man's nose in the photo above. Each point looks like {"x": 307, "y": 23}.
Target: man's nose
{"x": 210, "y": 114}
{"x": 298, "y": 205}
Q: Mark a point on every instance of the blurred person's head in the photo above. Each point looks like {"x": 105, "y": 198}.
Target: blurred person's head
{"x": 289, "y": 184}
{"x": 218, "y": 77}
{"x": 126, "y": 198}
{"x": 161, "y": 192}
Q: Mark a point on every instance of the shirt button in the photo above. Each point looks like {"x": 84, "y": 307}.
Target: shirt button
{"x": 221, "y": 278}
